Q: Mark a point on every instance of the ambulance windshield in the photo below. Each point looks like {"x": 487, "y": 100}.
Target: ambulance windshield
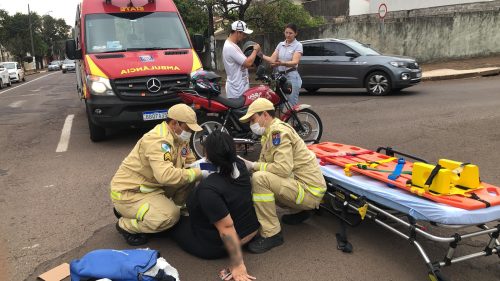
{"x": 134, "y": 31}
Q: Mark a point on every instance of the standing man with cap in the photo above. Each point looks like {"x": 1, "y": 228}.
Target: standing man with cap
{"x": 153, "y": 181}
{"x": 236, "y": 63}
{"x": 287, "y": 174}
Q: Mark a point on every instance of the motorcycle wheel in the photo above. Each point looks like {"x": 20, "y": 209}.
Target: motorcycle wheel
{"x": 209, "y": 124}
{"x": 313, "y": 128}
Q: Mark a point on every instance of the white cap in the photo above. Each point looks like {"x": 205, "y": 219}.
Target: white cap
{"x": 241, "y": 26}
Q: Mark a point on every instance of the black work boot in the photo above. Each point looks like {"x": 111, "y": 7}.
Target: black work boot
{"x": 133, "y": 239}
{"x": 293, "y": 219}
{"x": 117, "y": 214}
{"x": 260, "y": 244}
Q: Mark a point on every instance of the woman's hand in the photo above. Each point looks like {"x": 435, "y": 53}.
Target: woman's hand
{"x": 276, "y": 63}
{"x": 239, "y": 273}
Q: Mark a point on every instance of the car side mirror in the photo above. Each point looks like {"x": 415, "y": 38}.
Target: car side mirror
{"x": 198, "y": 42}
{"x": 351, "y": 54}
{"x": 71, "y": 52}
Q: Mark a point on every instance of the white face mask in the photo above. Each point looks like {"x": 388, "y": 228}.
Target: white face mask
{"x": 257, "y": 129}
{"x": 185, "y": 136}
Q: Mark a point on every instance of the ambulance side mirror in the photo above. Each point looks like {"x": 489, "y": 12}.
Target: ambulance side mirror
{"x": 198, "y": 42}
{"x": 71, "y": 52}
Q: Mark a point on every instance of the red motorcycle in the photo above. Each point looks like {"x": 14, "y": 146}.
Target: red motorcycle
{"x": 215, "y": 112}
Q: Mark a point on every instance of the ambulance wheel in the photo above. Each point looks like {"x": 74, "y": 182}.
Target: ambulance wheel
{"x": 437, "y": 276}
{"x": 97, "y": 133}
{"x": 208, "y": 124}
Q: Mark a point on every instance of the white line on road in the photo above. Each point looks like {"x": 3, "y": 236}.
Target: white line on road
{"x": 26, "y": 83}
{"x": 17, "y": 103}
{"x": 65, "y": 134}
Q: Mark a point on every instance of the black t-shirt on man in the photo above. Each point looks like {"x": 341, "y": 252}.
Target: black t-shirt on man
{"x": 216, "y": 197}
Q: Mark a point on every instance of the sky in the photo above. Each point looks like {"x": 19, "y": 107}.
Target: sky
{"x": 65, "y": 9}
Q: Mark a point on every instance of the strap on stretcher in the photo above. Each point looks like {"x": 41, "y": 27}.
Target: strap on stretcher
{"x": 370, "y": 164}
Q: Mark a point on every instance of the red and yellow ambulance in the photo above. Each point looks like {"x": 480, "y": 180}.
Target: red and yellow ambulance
{"x": 130, "y": 54}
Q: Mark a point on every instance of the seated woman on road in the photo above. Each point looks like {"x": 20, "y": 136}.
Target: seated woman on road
{"x": 221, "y": 213}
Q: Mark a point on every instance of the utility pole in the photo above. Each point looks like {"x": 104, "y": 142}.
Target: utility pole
{"x": 31, "y": 35}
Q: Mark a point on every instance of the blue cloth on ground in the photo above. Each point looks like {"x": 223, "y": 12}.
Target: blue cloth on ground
{"x": 117, "y": 265}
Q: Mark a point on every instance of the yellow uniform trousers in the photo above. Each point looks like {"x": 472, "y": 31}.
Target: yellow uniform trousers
{"x": 151, "y": 213}
{"x": 270, "y": 190}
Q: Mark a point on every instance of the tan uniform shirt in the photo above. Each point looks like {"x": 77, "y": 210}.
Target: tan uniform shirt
{"x": 285, "y": 154}
{"x": 157, "y": 161}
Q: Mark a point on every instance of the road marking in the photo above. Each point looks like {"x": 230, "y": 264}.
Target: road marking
{"x": 65, "y": 134}
{"x": 26, "y": 83}
{"x": 17, "y": 103}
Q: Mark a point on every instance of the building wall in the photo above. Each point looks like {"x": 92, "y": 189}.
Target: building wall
{"x": 361, "y": 7}
{"x": 327, "y": 8}
{"x": 418, "y": 34}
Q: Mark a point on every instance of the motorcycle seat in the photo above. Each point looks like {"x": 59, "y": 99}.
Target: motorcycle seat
{"x": 231, "y": 103}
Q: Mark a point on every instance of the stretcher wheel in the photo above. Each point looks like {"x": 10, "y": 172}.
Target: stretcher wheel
{"x": 437, "y": 276}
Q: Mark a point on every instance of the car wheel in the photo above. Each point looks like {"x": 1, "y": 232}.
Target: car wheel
{"x": 312, "y": 90}
{"x": 10, "y": 83}
{"x": 1, "y": 83}
{"x": 64, "y": 71}
{"x": 97, "y": 133}
{"x": 378, "y": 83}
{"x": 24, "y": 79}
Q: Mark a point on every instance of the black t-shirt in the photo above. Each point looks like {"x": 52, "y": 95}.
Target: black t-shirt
{"x": 216, "y": 197}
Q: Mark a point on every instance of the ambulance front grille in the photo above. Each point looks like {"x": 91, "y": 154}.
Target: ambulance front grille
{"x": 136, "y": 88}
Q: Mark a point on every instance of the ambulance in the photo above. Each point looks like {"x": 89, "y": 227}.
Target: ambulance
{"x": 130, "y": 56}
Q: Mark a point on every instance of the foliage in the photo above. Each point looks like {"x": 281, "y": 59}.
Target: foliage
{"x": 272, "y": 16}
{"x": 48, "y": 34}
{"x": 193, "y": 14}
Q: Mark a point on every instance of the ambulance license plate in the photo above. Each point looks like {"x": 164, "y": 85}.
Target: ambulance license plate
{"x": 154, "y": 115}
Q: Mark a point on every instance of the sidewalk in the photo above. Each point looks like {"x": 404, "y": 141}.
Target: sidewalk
{"x": 464, "y": 68}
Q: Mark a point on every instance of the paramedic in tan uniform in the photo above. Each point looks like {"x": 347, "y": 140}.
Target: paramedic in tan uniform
{"x": 287, "y": 174}
{"x": 153, "y": 181}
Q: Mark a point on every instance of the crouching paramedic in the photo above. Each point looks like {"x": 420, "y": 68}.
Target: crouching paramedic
{"x": 153, "y": 182}
{"x": 287, "y": 174}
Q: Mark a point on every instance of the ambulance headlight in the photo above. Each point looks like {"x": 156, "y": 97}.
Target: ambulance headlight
{"x": 99, "y": 86}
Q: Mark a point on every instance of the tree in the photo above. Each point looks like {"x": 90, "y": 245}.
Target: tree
{"x": 54, "y": 32}
{"x": 194, "y": 15}
{"x": 272, "y": 16}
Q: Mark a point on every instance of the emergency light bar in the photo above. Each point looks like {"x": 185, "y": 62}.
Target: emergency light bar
{"x": 109, "y": 1}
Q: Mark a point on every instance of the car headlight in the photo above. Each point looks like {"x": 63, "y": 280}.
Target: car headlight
{"x": 398, "y": 63}
{"x": 99, "y": 86}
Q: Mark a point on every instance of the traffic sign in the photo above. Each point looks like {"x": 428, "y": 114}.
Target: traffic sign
{"x": 382, "y": 10}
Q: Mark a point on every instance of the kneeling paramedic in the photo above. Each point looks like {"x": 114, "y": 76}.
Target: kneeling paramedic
{"x": 287, "y": 174}
{"x": 153, "y": 182}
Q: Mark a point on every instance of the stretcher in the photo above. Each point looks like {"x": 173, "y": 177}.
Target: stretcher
{"x": 356, "y": 198}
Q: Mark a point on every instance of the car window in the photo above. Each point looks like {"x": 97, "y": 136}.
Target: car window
{"x": 336, "y": 49}
{"x": 316, "y": 50}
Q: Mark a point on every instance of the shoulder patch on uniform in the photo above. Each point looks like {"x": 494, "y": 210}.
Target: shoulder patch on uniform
{"x": 276, "y": 137}
{"x": 165, "y": 147}
{"x": 184, "y": 151}
{"x": 167, "y": 156}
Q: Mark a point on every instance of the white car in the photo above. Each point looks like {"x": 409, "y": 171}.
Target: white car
{"x": 16, "y": 72}
{"x": 4, "y": 77}
{"x": 68, "y": 65}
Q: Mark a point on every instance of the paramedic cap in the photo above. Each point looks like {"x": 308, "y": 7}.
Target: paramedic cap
{"x": 185, "y": 114}
{"x": 259, "y": 105}
{"x": 241, "y": 26}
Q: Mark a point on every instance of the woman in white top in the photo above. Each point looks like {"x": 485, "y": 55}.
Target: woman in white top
{"x": 286, "y": 58}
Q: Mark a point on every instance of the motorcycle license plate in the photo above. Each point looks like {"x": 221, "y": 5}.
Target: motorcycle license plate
{"x": 154, "y": 115}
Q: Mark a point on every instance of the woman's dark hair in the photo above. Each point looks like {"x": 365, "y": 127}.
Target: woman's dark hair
{"x": 292, "y": 27}
{"x": 221, "y": 151}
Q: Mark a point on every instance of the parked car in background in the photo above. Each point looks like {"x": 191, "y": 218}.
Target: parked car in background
{"x": 4, "y": 77}
{"x": 68, "y": 65}
{"x": 54, "y": 65}
{"x": 346, "y": 63}
{"x": 16, "y": 72}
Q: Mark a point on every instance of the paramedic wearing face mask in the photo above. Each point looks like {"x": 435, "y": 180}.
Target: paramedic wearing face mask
{"x": 153, "y": 181}
{"x": 287, "y": 174}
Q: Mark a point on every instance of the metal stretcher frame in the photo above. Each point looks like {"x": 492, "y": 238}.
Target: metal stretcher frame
{"x": 339, "y": 200}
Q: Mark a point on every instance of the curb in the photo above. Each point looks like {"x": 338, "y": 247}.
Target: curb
{"x": 492, "y": 72}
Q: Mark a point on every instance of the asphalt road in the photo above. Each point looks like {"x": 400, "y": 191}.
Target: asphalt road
{"x": 55, "y": 205}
